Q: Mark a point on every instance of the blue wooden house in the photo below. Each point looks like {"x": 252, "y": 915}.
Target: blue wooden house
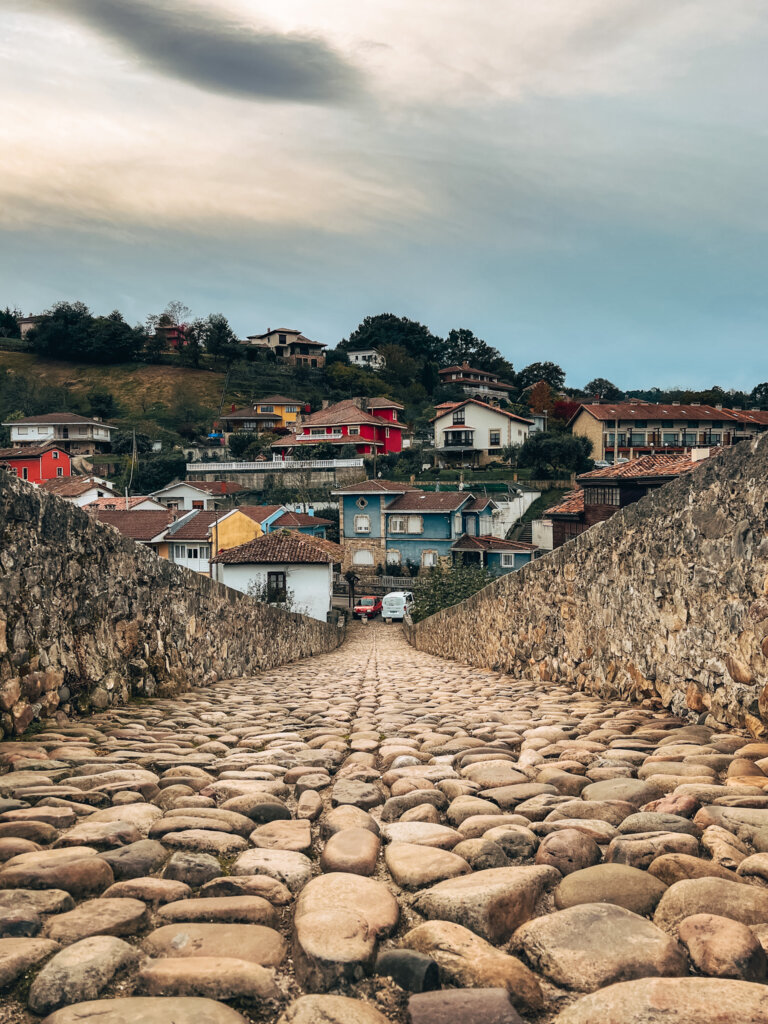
{"x": 500, "y": 556}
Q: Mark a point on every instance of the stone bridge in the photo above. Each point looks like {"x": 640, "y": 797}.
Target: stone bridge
{"x": 379, "y": 835}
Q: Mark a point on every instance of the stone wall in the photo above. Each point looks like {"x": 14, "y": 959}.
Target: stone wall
{"x": 267, "y": 479}
{"x": 667, "y": 600}
{"x": 88, "y": 618}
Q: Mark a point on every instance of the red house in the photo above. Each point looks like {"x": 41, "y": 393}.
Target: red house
{"x": 36, "y": 464}
{"x": 372, "y": 426}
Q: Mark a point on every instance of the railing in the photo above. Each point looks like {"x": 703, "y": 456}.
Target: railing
{"x": 288, "y": 464}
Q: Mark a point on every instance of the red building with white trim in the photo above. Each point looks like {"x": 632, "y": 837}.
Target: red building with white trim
{"x": 36, "y": 464}
{"x": 374, "y": 428}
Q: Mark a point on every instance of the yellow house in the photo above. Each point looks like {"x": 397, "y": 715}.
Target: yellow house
{"x": 243, "y": 524}
{"x": 263, "y": 415}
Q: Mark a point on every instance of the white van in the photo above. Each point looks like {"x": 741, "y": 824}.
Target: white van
{"x": 395, "y": 605}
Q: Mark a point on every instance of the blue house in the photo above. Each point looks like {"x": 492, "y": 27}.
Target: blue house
{"x": 500, "y": 556}
{"x": 362, "y": 524}
{"x": 422, "y": 526}
{"x": 303, "y": 522}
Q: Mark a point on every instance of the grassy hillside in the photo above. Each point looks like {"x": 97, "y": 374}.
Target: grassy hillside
{"x": 135, "y": 386}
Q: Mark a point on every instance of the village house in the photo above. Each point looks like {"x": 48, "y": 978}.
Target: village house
{"x": 28, "y": 323}
{"x": 602, "y": 492}
{"x": 644, "y": 428}
{"x": 493, "y": 553}
{"x": 422, "y": 526}
{"x": 285, "y": 568}
{"x": 290, "y": 346}
{"x": 362, "y": 524}
{"x": 118, "y": 503}
{"x": 368, "y": 358}
{"x": 189, "y": 540}
{"x": 147, "y": 528}
{"x": 80, "y": 490}
{"x": 371, "y": 426}
{"x": 475, "y": 433}
{"x": 36, "y": 463}
{"x": 183, "y": 496}
{"x": 475, "y": 382}
{"x": 77, "y": 435}
{"x": 267, "y": 414}
{"x": 245, "y": 523}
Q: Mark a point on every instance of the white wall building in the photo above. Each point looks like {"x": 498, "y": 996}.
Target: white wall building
{"x": 76, "y": 434}
{"x": 367, "y": 357}
{"x": 184, "y": 496}
{"x": 473, "y": 433}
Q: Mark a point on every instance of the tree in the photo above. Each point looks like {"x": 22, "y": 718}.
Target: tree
{"x": 9, "y": 326}
{"x": 154, "y": 472}
{"x": 540, "y": 397}
{"x": 547, "y": 454}
{"x": 758, "y": 396}
{"x": 603, "y": 389}
{"x": 192, "y": 352}
{"x": 553, "y": 374}
{"x": 462, "y": 345}
{"x": 102, "y": 403}
{"x": 388, "y": 329}
{"x": 123, "y": 441}
{"x": 447, "y": 585}
{"x": 69, "y": 331}
{"x": 240, "y": 442}
{"x": 112, "y": 340}
{"x": 219, "y": 338}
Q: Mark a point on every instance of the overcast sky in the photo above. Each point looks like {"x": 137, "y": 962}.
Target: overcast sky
{"x": 576, "y": 180}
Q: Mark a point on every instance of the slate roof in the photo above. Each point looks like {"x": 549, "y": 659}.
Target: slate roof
{"x": 286, "y": 546}
{"x": 610, "y": 411}
{"x": 289, "y": 520}
{"x": 430, "y": 501}
{"x": 485, "y": 542}
{"x": 138, "y": 525}
{"x": 73, "y": 486}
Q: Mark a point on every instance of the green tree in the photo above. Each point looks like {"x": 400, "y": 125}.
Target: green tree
{"x": 547, "y": 454}
{"x": 69, "y": 331}
{"x": 444, "y": 586}
{"x": 155, "y": 472}
{"x": 219, "y": 338}
{"x": 462, "y": 345}
{"x": 192, "y": 353}
{"x": 388, "y": 329}
{"x": 553, "y": 374}
{"x": 9, "y": 325}
{"x": 758, "y": 396}
{"x": 602, "y": 388}
{"x": 240, "y": 442}
{"x": 102, "y": 403}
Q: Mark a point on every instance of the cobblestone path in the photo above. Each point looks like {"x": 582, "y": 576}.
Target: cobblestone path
{"x": 380, "y": 835}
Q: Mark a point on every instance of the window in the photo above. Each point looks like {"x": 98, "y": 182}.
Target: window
{"x": 24, "y": 473}
{"x": 174, "y": 505}
{"x": 362, "y": 524}
{"x": 690, "y": 437}
{"x": 428, "y": 559}
{"x": 313, "y": 362}
{"x": 393, "y": 557}
{"x": 386, "y": 432}
{"x": 637, "y": 439}
{"x": 362, "y": 557}
{"x": 415, "y": 524}
{"x": 361, "y": 503}
{"x": 458, "y": 416}
{"x": 22, "y": 430}
{"x": 291, "y": 408}
{"x": 507, "y": 560}
{"x": 276, "y": 588}
{"x": 398, "y": 524}
{"x": 59, "y": 471}
{"x": 198, "y": 504}
{"x": 317, "y": 431}
{"x": 715, "y": 438}
{"x": 353, "y": 430}
{"x": 601, "y": 496}
{"x": 54, "y": 455}
{"x": 281, "y": 339}
{"x": 670, "y": 438}
{"x": 494, "y": 438}
{"x": 266, "y": 408}
{"x": 179, "y": 551}
{"x": 205, "y": 550}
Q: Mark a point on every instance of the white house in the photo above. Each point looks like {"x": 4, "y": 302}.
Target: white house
{"x": 77, "y": 435}
{"x": 82, "y": 490}
{"x": 284, "y": 568}
{"x": 134, "y": 503}
{"x": 184, "y": 496}
{"x": 474, "y": 433}
{"x": 189, "y": 540}
{"x": 367, "y": 357}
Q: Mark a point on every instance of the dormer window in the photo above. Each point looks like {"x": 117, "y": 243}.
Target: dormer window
{"x": 458, "y": 416}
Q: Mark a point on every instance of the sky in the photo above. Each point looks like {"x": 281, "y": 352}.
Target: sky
{"x": 574, "y": 180}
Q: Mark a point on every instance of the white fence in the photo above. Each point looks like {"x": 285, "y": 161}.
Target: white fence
{"x": 287, "y": 465}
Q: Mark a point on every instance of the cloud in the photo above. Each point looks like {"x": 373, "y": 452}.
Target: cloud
{"x": 221, "y": 55}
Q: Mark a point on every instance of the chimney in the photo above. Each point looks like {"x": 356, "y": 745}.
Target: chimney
{"x": 325, "y": 404}
{"x": 719, "y": 405}
{"x": 699, "y": 454}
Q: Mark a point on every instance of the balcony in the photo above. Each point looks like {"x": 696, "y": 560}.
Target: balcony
{"x": 458, "y": 439}
{"x": 336, "y": 436}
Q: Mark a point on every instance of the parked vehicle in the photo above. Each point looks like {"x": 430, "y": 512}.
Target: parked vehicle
{"x": 395, "y": 605}
{"x": 367, "y": 608}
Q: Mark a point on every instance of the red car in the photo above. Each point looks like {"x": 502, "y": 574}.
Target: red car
{"x": 366, "y": 608}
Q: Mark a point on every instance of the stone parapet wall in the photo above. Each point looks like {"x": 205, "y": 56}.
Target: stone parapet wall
{"x": 88, "y": 618}
{"x": 667, "y": 600}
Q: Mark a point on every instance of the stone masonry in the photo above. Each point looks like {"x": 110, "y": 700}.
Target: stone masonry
{"x": 667, "y": 599}
{"x": 88, "y": 618}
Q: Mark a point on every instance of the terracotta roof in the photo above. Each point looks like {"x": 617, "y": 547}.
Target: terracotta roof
{"x": 757, "y": 416}
{"x": 293, "y": 519}
{"x": 483, "y": 405}
{"x": 426, "y": 501}
{"x": 217, "y": 486}
{"x": 285, "y": 546}
{"x": 248, "y": 413}
{"x": 485, "y": 542}
{"x": 138, "y": 525}
{"x": 277, "y": 400}
{"x": 258, "y": 513}
{"x": 59, "y": 417}
{"x": 32, "y": 451}
{"x": 194, "y": 527}
{"x": 376, "y": 487}
{"x": 382, "y": 403}
{"x": 572, "y": 504}
{"x": 642, "y": 468}
{"x": 74, "y": 486}
{"x": 609, "y": 411}
{"x": 466, "y": 368}
{"x": 341, "y": 413}
{"x": 118, "y": 504}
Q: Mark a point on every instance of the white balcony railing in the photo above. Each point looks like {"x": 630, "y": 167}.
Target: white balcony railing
{"x": 276, "y": 465}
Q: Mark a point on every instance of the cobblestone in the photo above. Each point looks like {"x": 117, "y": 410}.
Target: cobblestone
{"x": 270, "y": 828}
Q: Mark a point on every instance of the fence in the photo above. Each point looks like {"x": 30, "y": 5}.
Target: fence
{"x": 287, "y": 465}
{"x": 373, "y": 584}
